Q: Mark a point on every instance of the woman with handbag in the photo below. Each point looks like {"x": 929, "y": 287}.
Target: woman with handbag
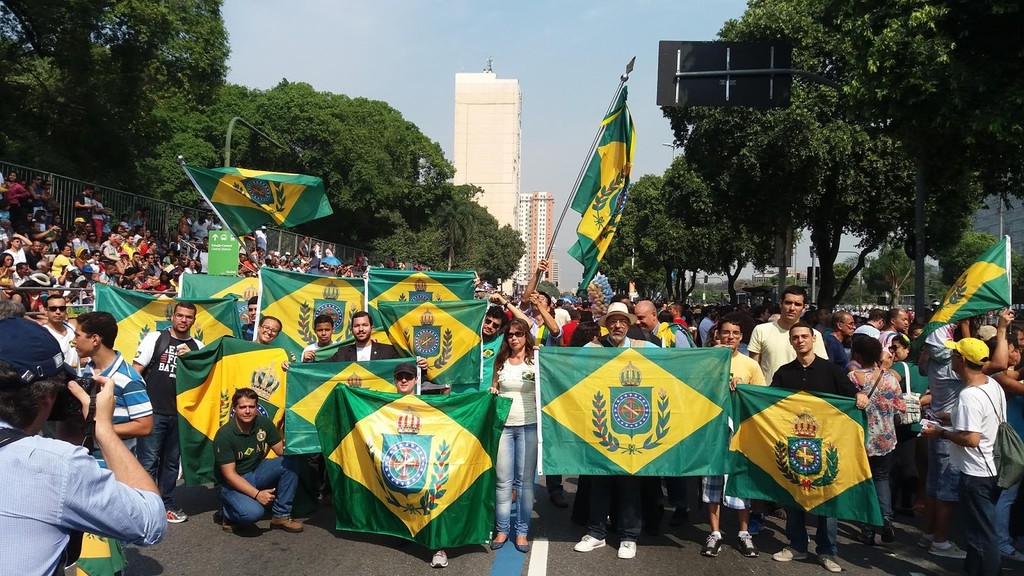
{"x": 885, "y": 400}
{"x": 911, "y": 465}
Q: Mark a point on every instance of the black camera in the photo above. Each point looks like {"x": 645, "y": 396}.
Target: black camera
{"x": 67, "y": 406}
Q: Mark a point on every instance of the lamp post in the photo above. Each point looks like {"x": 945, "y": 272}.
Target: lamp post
{"x": 231, "y": 127}
{"x": 673, "y": 147}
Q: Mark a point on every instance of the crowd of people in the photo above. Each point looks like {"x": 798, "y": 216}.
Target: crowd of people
{"x": 41, "y": 247}
{"x": 964, "y": 379}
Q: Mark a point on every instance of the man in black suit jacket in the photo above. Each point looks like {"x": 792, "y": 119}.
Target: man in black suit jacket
{"x": 364, "y": 348}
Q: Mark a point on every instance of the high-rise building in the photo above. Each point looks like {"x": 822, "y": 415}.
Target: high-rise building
{"x": 996, "y": 219}
{"x": 534, "y": 219}
{"x": 554, "y": 275}
{"x": 487, "y": 140}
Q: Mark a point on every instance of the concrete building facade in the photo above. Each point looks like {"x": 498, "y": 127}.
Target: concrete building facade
{"x": 487, "y": 151}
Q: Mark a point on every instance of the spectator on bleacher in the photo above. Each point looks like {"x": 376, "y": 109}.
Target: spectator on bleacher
{"x": 185, "y": 225}
{"x": 16, "y": 247}
{"x": 18, "y": 197}
{"x": 99, "y": 213}
{"x": 201, "y": 227}
{"x": 83, "y": 204}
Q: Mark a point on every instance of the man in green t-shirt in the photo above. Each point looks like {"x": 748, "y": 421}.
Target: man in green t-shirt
{"x": 248, "y": 480}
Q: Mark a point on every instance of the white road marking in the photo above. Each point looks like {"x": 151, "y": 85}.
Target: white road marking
{"x": 538, "y": 558}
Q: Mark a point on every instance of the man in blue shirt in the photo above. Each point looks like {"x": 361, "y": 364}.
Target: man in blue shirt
{"x": 53, "y": 488}
{"x": 843, "y": 328}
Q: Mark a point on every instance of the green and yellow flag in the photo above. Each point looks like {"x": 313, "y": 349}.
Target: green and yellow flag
{"x": 447, "y": 334}
{"x": 982, "y": 288}
{"x": 100, "y": 556}
{"x": 390, "y": 285}
{"x": 206, "y": 379}
{"x": 296, "y": 299}
{"x": 247, "y": 199}
{"x": 602, "y": 193}
{"x": 311, "y": 383}
{"x": 638, "y": 411}
{"x": 418, "y": 468}
{"x": 206, "y": 286}
{"x": 802, "y": 450}
{"x": 139, "y": 314}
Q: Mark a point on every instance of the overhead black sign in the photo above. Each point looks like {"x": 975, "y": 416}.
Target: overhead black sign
{"x": 724, "y": 74}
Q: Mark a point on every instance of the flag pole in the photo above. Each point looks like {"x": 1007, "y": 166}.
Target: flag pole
{"x": 181, "y": 162}
{"x": 586, "y": 162}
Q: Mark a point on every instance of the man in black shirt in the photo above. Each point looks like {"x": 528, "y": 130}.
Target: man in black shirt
{"x": 814, "y": 374}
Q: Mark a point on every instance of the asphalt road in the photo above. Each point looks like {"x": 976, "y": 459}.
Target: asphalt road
{"x": 199, "y": 546}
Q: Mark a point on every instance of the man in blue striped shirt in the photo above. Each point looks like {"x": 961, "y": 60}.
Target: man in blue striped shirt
{"x": 94, "y": 340}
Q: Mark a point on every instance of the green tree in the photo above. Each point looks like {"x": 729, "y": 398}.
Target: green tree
{"x": 455, "y": 218}
{"x": 82, "y": 80}
{"x": 805, "y": 167}
{"x": 891, "y": 271}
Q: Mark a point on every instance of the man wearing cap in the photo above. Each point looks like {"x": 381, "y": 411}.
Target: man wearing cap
{"x": 53, "y": 488}
{"x": 975, "y": 420}
{"x": 157, "y": 361}
{"x": 249, "y": 481}
{"x": 943, "y": 479}
{"x": 261, "y": 238}
{"x": 617, "y": 320}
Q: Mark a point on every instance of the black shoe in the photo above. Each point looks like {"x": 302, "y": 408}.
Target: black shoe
{"x": 746, "y": 546}
{"x": 888, "y": 533}
{"x": 712, "y": 546}
{"x": 867, "y": 537}
{"x": 558, "y": 500}
{"x": 680, "y": 517}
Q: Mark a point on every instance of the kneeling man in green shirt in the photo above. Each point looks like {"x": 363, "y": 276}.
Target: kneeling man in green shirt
{"x": 248, "y": 480}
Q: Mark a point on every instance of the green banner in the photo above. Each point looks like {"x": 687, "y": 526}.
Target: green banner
{"x": 637, "y": 411}
{"x": 311, "y": 383}
{"x": 802, "y": 450}
{"x": 414, "y": 467}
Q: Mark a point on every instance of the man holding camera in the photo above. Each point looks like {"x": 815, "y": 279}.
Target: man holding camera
{"x": 53, "y": 488}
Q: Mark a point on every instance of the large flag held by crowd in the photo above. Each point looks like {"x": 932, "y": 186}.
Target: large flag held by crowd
{"x": 601, "y": 195}
{"x": 310, "y": 384}
{"x": 140, "y": 314}
{"x": 247, "y": 199}
{"x": 415, "y": 467}
{"x": 802, "y": 450}
{"x": 296, "y": 299}
{"x": 207, "y": 286}
{"x": 447, "y": 334}
{"x": 390, "y": 285}
{"x": 649, "y": 412}
{"x": 982, "y": 288}
{"x": 206, "y": 379}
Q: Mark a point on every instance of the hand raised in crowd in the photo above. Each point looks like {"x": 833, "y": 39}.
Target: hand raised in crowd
{"x": 1006, "y": 317}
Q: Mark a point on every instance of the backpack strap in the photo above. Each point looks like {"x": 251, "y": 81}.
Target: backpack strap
{"x": 162, "y": 342}
{"x": 8, "y": 435}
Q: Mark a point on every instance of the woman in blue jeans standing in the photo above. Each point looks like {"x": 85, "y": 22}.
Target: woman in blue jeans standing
{"x": 515, "y": 377}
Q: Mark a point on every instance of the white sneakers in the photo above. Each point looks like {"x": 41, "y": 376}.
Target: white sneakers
{"x": 627, "y": 550}
{"x": 588, "y": 544}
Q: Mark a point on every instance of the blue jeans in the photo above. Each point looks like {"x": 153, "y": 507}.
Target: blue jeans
{"x": 978, "y": 503}
{"x": 796, "y": 532}
{"x": 271, "y": 473}
{"x": 1006, "y": 499}
{"x": 881, "y": 472}
{"x": 160, "y": 454}
{"x": 516, "y": 464}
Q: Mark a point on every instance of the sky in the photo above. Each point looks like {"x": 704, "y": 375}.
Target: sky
{"x": 567, "y": 56}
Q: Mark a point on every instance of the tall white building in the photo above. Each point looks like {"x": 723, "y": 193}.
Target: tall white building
{"x": 487, "y": 140}
{"x": 534, "y": 218}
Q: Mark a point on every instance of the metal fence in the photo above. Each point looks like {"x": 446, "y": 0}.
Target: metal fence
{"x": 162, "y": 215}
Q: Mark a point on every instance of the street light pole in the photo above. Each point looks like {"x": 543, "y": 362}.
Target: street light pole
{"x": 231, "y": 127}
{"x": 673, "y": 147}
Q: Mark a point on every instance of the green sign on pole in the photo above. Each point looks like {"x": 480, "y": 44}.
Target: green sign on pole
{"x": 223, "y": 255}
